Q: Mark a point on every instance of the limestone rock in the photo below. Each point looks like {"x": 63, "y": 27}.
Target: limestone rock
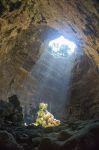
{"x": 26, "y": 25}
{"x": 8, "y": 142}
{"x": 10, "y": 111}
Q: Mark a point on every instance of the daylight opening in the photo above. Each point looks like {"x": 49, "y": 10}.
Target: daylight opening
{"x": 61, "y": 47}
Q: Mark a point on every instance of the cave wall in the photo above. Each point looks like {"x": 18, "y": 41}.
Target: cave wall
{"x": 25, "y": 25}
{"x": 84, "y": 101}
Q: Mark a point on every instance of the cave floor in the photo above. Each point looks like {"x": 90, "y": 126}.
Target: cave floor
{"x": 77, "y": 135}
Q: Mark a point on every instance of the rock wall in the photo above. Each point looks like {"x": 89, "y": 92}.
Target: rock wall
{"x": 84, "y": 101}
{"x": 25, "y": 25}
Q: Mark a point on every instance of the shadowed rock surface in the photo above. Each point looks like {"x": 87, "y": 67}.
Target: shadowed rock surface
{"x": 77, "y": 135}
{"x": 11, "y": 111}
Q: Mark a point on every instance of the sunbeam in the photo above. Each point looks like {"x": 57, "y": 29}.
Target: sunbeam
{"x": 54, "y": 75}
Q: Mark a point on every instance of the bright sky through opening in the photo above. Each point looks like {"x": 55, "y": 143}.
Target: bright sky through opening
{"x": 61, "y": 47}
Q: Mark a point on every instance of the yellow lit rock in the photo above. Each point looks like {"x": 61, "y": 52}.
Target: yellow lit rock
{"x": 45, "y": 118}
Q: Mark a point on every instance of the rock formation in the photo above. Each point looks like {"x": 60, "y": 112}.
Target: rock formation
{"x": 11, "y": 111}
{"x": 45, "y": 118}
{"x": 26, "y": 25}
{"x": 26, "y": 28}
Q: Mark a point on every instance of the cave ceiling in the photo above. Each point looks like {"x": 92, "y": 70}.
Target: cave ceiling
{"x": 25, "y": 25}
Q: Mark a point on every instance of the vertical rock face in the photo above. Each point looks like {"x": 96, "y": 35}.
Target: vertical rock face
{"x": 84, "y": 101}
{"x": 26, "y": 25}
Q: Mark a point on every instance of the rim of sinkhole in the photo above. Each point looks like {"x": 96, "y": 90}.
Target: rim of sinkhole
{"x": 61, "y": 47}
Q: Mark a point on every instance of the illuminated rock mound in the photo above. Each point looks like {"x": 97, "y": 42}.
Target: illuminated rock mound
{"x": 45, "y": 118}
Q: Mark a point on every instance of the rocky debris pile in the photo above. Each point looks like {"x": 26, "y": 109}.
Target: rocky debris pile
{"x": 11, "y": 112}
{"x": 78, "y": 135}
{"x": 45, "y": 118}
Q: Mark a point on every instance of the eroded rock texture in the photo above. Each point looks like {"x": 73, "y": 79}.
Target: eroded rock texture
{"x": 77, "y": 135}
{"x": 25, "y": 25}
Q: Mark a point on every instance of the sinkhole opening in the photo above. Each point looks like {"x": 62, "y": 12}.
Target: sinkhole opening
{"x": 61, "y": 47}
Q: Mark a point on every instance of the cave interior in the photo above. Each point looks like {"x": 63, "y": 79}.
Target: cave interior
{"x": 49, "y": 75}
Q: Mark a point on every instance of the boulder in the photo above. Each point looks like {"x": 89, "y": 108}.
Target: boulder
{"x": 11, "y": 111}
{"x": 64, "y": 135}
{"x": 36, "y": 141}
{"x": 8, "y": 142}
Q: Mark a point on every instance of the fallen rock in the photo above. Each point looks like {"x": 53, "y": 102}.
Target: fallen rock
{"x": 85, "y": 139}
{"x": 64, "y": 135}
{"x": 11, "y": 111}
{"x": 36, "y": 141}
{"x": 49, "y": 144}
{"x": 8, "y": 142}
